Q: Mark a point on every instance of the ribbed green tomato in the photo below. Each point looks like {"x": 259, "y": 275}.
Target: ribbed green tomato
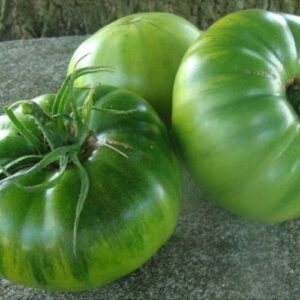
{"x": 236, "y": 113}
{"x": 144, "y": 51}
{"x": 130, "y": 210}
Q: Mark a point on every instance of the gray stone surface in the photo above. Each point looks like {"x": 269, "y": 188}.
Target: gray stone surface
{"x": 211, "y": 255}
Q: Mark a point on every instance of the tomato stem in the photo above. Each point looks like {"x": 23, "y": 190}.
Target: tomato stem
{"x": 66, "y": 131}
{"x": 22, "y": 129}
{"x": 49, "y": 158}
{"x": 46, "y": 124}
{"x": 85, "y": 183}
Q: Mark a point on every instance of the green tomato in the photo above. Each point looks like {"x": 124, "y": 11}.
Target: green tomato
{"x": 131, "y": 205}
{"x": 144, "y": 51}
{"x": 236, "y": 113}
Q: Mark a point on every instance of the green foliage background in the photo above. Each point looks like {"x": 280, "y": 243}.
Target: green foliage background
{"x": 23, "y": 19}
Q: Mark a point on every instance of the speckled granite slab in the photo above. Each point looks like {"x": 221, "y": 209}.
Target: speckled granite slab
{"x": 211, "y": 255}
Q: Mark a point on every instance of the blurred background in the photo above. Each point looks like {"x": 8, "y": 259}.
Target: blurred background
{"x": 25, "y": 19}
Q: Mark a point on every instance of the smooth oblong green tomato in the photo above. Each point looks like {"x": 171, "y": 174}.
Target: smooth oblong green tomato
{"x": 89, "y": 187}
{"x": 144, "y": 51}
{"x": 236, "y": 113}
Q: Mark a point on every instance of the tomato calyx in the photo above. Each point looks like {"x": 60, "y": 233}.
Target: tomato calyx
{"x": 66, "y": 140}
{"x": 88, "y": 146}
{"x": 293, "y": 93}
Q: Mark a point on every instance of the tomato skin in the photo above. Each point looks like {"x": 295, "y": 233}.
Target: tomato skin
{"x": 131, "y": 208}
{"x": 232, "y": 120}
{"x": 144, "y": 50}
